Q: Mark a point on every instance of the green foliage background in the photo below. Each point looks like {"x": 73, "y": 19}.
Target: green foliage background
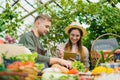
{"x": 9, "y": 20}
{"x": 102, "y": 18}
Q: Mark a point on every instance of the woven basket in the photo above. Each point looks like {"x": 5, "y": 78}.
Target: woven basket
{"x": 94, "y": 54}
{"x": 8, "y": 75}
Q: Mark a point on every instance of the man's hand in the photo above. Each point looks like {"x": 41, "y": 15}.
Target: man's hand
{"x": 62, "y": 62}
{"x": 66, "y": 63}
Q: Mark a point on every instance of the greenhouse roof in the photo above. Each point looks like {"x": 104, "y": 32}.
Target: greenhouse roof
{"x": 28, "y": 6}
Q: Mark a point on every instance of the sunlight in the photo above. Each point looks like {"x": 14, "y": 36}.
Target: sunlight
{"x": 118, "y": 5}
{"x": 94, "y": 1}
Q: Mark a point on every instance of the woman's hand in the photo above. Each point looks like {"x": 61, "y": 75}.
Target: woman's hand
{"x": 60, "y": 53}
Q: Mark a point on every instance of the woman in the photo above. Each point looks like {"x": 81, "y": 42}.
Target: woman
{"x": 74, "y": 45}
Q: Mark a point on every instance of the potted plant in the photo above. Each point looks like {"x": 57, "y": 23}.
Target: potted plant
{"x": 109, "y": 57}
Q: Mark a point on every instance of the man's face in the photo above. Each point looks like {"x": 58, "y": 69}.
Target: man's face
{"x": 43, "y": 27}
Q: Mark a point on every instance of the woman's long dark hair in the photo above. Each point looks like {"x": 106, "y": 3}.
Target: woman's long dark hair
{"x": 68, "y": 46}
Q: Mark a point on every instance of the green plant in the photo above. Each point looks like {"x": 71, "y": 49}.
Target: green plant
{"x": 101, "y": 17}
{"x": 107, "y": 59}
{"x": 2, "y": 67}
{"x": 9, "y": 19}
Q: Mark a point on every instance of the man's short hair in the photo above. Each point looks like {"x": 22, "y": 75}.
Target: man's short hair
{"x": 43, "y": 17}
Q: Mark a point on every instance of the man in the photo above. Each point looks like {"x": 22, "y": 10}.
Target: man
{"x": 41, "y": 27}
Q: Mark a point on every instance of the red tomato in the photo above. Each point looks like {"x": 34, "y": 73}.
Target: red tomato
{"x": 18, "y": 64}
{"x": 73, "y": 71}
{"x": 29, "y": 64}
{"x": 11, "y": 67}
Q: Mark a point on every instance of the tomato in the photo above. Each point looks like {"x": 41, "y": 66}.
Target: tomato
{"x": 73, "y": 71}
{"x": 11, "y": 67}
{"x": 14, "y": 66}
{"x": 18, "y": 64}
{"x": 29, "y": 64}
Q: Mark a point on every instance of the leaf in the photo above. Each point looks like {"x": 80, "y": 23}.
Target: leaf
{"x": 102, "y": 54}
{"x": 108, "y": 57}
{"x": 7, "y": 5}
{"x": 98, "y": 61}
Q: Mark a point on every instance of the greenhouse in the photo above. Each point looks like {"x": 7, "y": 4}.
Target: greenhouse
{"x": 59, "y": 40}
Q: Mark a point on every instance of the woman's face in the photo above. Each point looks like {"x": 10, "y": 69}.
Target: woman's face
{"x": 74, "y": 36}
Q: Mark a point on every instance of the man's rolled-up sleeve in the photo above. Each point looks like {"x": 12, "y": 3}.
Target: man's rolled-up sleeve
{"x": 28, "y": 42}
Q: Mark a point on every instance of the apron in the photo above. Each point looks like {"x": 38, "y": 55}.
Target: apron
{"x": 39, "y": 50}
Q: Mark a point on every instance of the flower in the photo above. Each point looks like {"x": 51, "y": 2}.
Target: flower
{"x": 9, "y": 39}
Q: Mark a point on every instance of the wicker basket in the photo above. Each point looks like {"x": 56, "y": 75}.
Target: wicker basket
{"x": 94, "y": 54}
{"x": 23, "y": 73}
{"x": 8, "y": 75}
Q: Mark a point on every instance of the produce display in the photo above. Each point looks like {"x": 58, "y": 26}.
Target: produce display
{"x": 27, "y": 59}
{"x": 59, "y": 72}
{"x": 25, "y": 67}
{"x": 26, "y": 63}
{"x": 78, "y": 72}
